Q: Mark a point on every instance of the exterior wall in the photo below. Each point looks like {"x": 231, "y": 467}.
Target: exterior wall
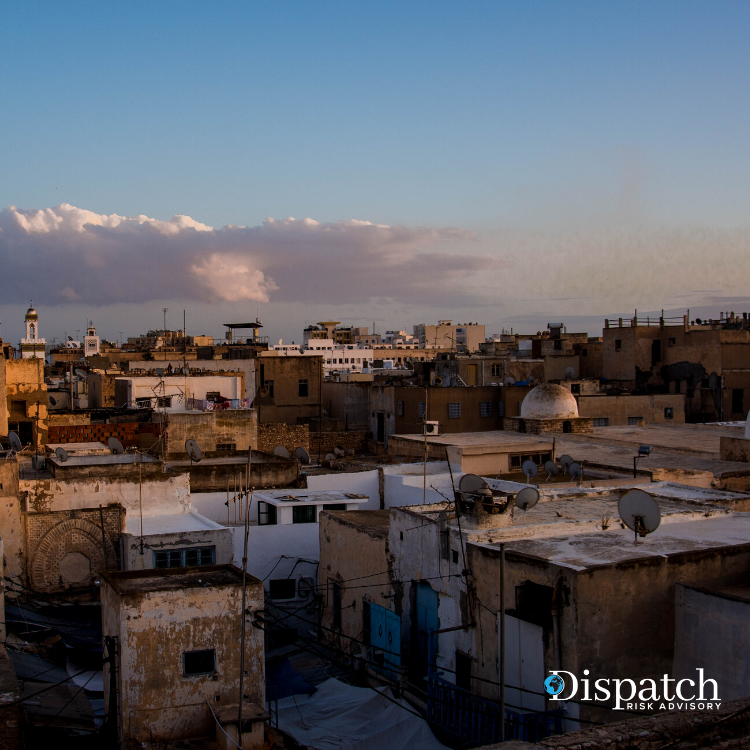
{"x": 155, "y": 628}
{"x": 619, "y": 408}
{"x": 25, "y": 386}
{"x": 11, "y": 528}
{"x": 735, "y": 449}
{"x": 382, "y": 409}
{"x": 128, "y": 433}
{"x": 712, "y": 631}
{"x": 348, "y": 402}
{"x": 134, "y": 560}
{"x": 237, "y": 427}
{"x": 179, "y": 388}
{"x": 325, "y": 442}
{"x": 3, "y": 398}
{"x": 438, "y": 399}
{"x": 102, "y": 389}
{"x": 555, "y": 366}
{"x": 590, "y": 358}
{"x": 267, "y": 471}
{"x": 538, "y": 426}
{"x": 277, "y": 433}
{"x": 286, "y": 372}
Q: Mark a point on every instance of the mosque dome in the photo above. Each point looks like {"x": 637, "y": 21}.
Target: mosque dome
{"x": 549, "y": 401}
{"x": 31, "y": 314}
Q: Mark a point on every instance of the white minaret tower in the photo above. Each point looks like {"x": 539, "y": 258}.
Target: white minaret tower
{"x": 32, "y": 345}
{"x": 91, "y": 342}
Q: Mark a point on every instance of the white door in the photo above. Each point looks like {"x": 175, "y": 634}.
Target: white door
{"x": 524, "y": 664}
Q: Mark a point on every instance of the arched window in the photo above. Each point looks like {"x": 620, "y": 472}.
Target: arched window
{"x": 32, "y": 331}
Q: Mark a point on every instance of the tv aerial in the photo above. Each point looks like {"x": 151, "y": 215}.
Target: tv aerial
{"x": 639, "y": 512}
{"x": 302, "y": 455}
{"x": 115, "y": 446}
{"x": 552, "y": 469}
{"x": 281, "y": 451}
{"x": 565, "y": 462}
{"x": 193, "y": 450}
{"x": 575, "y": 470}
{"x": 527, "y": 498}
{"x": 530, "y": 469}
{"x": 62, "y": 455}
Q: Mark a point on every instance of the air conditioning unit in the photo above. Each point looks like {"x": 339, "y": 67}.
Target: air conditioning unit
{"x": 431, "y": 428}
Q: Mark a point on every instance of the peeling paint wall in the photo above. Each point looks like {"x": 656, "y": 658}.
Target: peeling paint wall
{"x": 221, "y": 539}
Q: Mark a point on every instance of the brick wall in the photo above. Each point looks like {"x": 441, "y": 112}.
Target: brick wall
{"x": 356, "y": 440}
{"x": 291, "y": 436}
{"x": 126, "y": 432}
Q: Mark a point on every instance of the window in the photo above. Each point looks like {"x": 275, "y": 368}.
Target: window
{"x": 601, "y": 421}
{"x": 669, "y": 412}
{"x": 420, "y": 409}
{"x": 585, "y": 352}
{"x": 334, "y": 506}
{"x": 303, "y": 389}
{"x": 212, "y": 395}
{"x": 164, "y": 402}
{"x": 187, "y": 557}
{"x": 266, "y": 514}
{"x": 485, "y": 408}
{"x": 672, "y": 342}
{"x": 455, "y": 556}
{"x": 199, "y": 662}
{"x": 558, "y": 345}
{"x": 738, "y": 398}
{"x": 497, "y": 371}
{"x": 463, "y": 671}
{"x": 454, "y": 411}
{"x": 269, "y": 385}
{"x": 400, "y": 408}
{"x": 143, "y": 403}
{"x": 634, "y": 420}
{"x": 304, "y": 514}
{"x": 226, "y": 446}
{"x": 655, "y": 352}
{"x": 501, "y": 409}
{"x": 618, "y": 345}
{"x": 283, "y": 588}
{"x": 575, "y": 388}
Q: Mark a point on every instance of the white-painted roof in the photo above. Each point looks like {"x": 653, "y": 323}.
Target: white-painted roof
{"x": 312, "y": 497}
{"x": 172, "y": 523}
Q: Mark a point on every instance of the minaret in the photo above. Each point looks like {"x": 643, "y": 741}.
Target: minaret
{"x": 32, "y": 345}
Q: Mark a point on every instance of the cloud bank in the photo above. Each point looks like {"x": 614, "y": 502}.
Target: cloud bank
{"x": 70, "y": 255}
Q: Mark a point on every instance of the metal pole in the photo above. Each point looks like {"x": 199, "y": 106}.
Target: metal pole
{"x": 502, "y": 643}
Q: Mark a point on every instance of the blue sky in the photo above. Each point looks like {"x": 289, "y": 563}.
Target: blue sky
{"x": 542, "y": 122}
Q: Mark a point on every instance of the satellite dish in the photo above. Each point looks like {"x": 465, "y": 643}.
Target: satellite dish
{"x": 570, "y": 373}
{"x": 531, "y": 379}
{"x": 82, "y": 374}
{"x": 527, "y": 498}
{"x": 159, "y": 371}
{"x": 115, "y": 446}
{"x": 186, "y": 370}
{"x": 53, "y": 400}
{"x": 565, "y": 462}
{"x": 510, "y": 380}
{"x": 339, "y": 451}
{"x": 62, "y": 454}
{"x": 530, "y": 469}
{"x": 330, "y": 457}
{"x": 281, "y": 451}
{"x": 473, "y": 484}
{"x": 575, "y": 470}
{"x": 438, "y": 380}
{"x": 15, "y": 442}
{"x": 639, "y": 512}
{"x": 552, "y": 469}
{"x": 193, "y": 450}
{"x": 302, "y": 455}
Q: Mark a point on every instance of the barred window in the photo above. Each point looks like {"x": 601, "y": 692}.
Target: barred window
{"x": 185, "y": 558}
{"x": 420, "y": 409}
{"x": 601, "y": 421}
{"x": 454, "y": 411}
{"x": 485, "y": 408}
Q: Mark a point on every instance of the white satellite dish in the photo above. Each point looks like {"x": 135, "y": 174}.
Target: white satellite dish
{"x": 527, "y": 498}
{"x": 510, "y": 380}
{"x": 639, "y": 512}
{"x": 281, "y": 451}
{"x": 530, "y": 469}
{"x": 302, "y": 455}
{"x": 193, "y": 450}
{"x": 552, "y": 469}
{"x": 472, "y": 484}
{"x": 565, "y": 462}
{"x": 339, "y": 451}
{"x": 82, "y": 374}
{"x": 570, "y": 373}
{"x": 330, "y": 457}
{"x": 575, "y": 470}
{"x": 14, "y": 440}
{"x": 115, "y": 446}
{"x": 61, "y": 454}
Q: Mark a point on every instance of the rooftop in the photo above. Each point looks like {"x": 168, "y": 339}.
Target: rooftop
{"x": 171, "y": 579}
{"x": 172, "y": 523}
{"x": 316, "y": 497}
{"x": 497, "y": 439}
{"x": 375, "y": 521}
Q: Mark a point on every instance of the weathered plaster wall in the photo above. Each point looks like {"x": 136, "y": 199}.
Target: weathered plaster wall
{"x": 232, "y": 426}
{"x": 26, "y": 397}
{"x": 11, "y": 529}
{"x": 3, "y": 398}
{"x": 619, "y": 408}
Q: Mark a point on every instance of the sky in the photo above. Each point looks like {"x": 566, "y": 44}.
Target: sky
{"x": 512, "y": 163}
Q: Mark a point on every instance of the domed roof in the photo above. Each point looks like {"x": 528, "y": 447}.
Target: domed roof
{"x": 548, "y": 401}
{"x": 31, "y": 314}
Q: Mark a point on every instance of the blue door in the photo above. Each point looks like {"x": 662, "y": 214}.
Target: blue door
{"x": 427, "y": 621}
{"x": 385, "y": 636}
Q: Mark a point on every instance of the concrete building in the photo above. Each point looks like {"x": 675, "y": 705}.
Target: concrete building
{"x": 26, "y": 399}
{"x": 174, "y": 393}
{"x": 172, "y": 641}
{"x": 464, "y": 337}
{"x": 288, "y": 387}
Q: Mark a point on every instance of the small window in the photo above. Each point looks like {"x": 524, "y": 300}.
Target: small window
{"x": 420, "y": 409}
{"x": 669, "y": 412}
{"x": 199, "y": 662}
{"x": 283, "y": 588}
{"x": 171, "y": 558}
{"x": 455, "y": 556}
{"x": 497, "y": 371}
{"x": 601, "y": 421}
{"x": 585, "y": 352}
{"x": 400, "y": 408}
{"x": 185, "y": 558}
{"x": 463, "y": 671}
{"x": 266, "y": 514}
{"x": 738, "y": 401}
{"x": 199, "y": 556}
{"x": 618, "y": 345}
{"x": 334, "y": 506}
{"x": 304, "y": 514}
{"x": 634, "y": 420}
{"x": 454, "y": 410}
{"x": 575, "y": 388}
{"x": 303, "y": 389}
{"x": 515, "y": 462}
{"x": 485, "y": 408}
{"x": 672, "y": 342}
{"x": 269, "y": 385}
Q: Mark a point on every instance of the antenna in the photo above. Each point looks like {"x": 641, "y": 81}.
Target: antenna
{"x": 565, "y": 462}
{"x": 61, "y": 454}
{"x": 530, "y": 469}
{"x": 115, "y": 446}
{"x": 193, "y": 450}
{"x": 576, "y": 471}
{"x": 281, "y": 451}
{"x": 570, "y": 373}
{"x": 15, "y": 442}
{"x": 527, "y": 498}
{"x": 302, "y": 455}
{"x": 552, "y": 469}
{"x": 639, "y": 512}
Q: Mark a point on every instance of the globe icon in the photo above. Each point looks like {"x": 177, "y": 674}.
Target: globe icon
{"x": 554, "y": 684}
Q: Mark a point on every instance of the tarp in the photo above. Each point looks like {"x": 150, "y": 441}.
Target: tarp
{"x": 282, "y": 680}
{"x": 341, "y": 717}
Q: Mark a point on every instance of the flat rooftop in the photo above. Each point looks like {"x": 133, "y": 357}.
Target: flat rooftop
{"x": 591, "y": 550}
{"x": 107, "y": 459}
{"x": 173, "y": 523}
{"x": 172, "y": 579}
{"x": 313, "y": 497}
{"x": 500, "y": 440}
{"x": 374, "y": 521}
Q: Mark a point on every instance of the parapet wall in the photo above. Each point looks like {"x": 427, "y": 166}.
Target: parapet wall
{"x": 128, "y": 433}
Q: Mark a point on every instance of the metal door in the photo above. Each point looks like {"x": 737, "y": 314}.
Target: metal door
{"x": 524, "y": 663}
{"x": 385, "y": 636}
{"x": 427, "y": 621}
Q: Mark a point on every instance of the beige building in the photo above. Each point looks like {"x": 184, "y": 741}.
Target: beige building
{"x": 26, "y": 399}
{"x": 175, "y": 639}
{"x": 464, "y": 337}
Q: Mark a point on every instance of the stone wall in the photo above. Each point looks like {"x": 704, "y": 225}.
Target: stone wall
{"x": 128, "y": 433}
{"x": 291, "y": 436}
{"x": 356, "y": 440}
{"x": 538, "y": 426}
{"x": 735, "y": 449}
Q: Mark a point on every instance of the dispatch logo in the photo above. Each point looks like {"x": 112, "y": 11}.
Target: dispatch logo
{"x": 664, "y": 694}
